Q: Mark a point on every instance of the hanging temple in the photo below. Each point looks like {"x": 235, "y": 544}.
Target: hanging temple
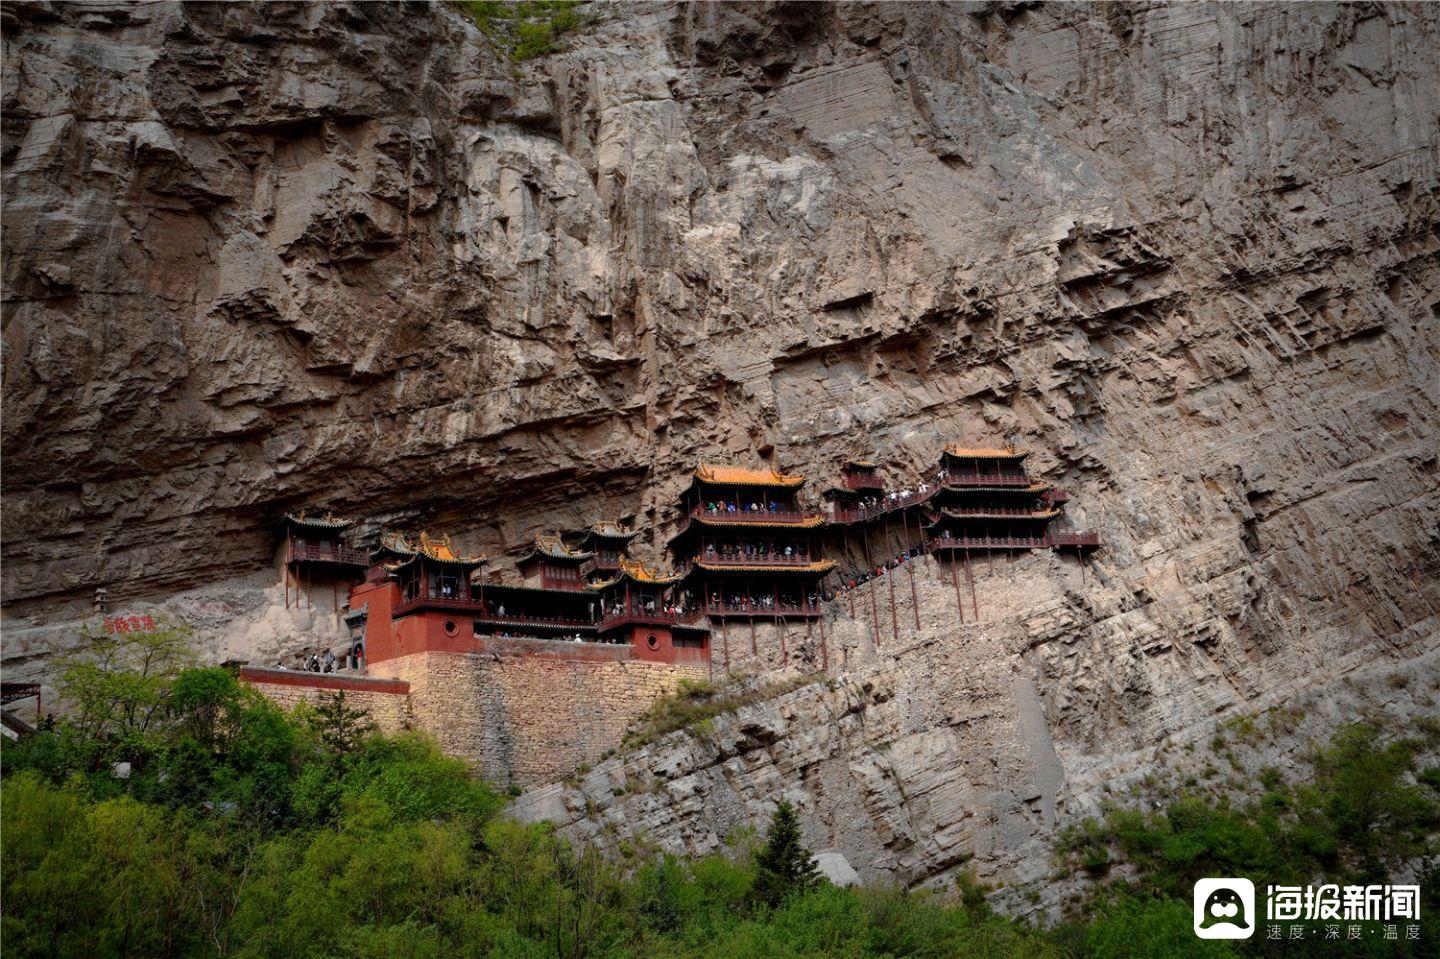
{"x": 746, "y": 549}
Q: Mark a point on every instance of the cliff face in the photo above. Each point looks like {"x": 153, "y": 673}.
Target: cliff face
{"x": 278, "y": 256}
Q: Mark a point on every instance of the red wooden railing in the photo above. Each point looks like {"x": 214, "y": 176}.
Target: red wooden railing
{"x": 1072, "y": 539}
{"x": 989, "y": 542}
{"x": 755, "y": 609}
{"x": 859, "y": 481}
{"x": 308, "y": 553}
{"x": 992, "y": 511}
{"x": 987, "y": 479}
{"x": 757, "y": 516}
{"x": 758, "y": 562}
{"x": 886, "y": 505}
{"x": 639, "y": 617}
{"x": 457, "y": 604}
{"x": 510, "y": 619}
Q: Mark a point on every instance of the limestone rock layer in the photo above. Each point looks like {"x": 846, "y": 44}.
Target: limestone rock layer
{"x": 276, "y": 256}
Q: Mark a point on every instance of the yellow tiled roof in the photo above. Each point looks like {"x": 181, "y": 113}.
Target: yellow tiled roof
{"x": 438, "y": 549}
{"x": 328, "y": 521}
{"x": 740, "y": 476}
{"x": 643, "y": 574}
{"x": 553, "y": 547}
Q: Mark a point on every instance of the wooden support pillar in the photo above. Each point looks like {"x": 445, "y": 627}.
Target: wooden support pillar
{"x": 914, "y": 596}
{"x": 894, "y": 616}
{"x": 754, "y": 647}
{"x": 955, "y": 581}
{"x": 970, "y": 577}
{"x": 874, "y": 616}
{"x": 784, "y": 654}
{"x": 725, "y": 645}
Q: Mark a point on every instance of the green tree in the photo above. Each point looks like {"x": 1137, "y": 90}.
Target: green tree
{"x": 339, "y": 726}
{"x": 119, "y": 682}
{"x": 783, "y": 866}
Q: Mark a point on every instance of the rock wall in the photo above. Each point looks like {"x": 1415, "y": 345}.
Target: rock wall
{"x": 341, "y": 255}
{"x": 953, "y": 750}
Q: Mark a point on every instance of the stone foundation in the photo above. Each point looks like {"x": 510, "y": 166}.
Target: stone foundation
{"x": 525, "y": 711}
{"x": 386, "y": 700}
{"x": 527, "y": 714}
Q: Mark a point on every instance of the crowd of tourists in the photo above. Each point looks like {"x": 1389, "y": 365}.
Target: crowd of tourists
{"x": 857, "y": 578}
{"x": 313, "y": 659}
{"x": 760, "y": 551}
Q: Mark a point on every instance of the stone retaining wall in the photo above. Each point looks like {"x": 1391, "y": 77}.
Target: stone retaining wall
{"x": 525, "y": 711}
{"x": 530, "y": 716}
{"x": 386, "y": 700}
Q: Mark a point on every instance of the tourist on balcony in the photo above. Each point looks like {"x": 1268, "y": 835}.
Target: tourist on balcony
{"x": 329, "y": 661}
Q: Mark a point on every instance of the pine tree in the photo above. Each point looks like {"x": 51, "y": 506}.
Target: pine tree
{"x": 339, "y": 726}
{"x": 784, "y": 866}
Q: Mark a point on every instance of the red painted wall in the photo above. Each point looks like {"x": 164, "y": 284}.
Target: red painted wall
{"x": 424, "y": 631}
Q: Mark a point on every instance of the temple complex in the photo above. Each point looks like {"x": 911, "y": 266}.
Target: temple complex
{"x": 610, "y": 543}
{"x": 415, "y": 597}
{"x": 499, "y": 659}
{"x": 653, "y": 614}
{"x": 313, "y": 549}
{"x": 987, "y": 501}
{"x": 749, "y": 549}
{"x": 860, "y": 492}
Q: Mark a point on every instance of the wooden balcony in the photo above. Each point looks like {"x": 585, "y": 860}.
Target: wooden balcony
{"x": 883, "y": 508}
{"x": 987, "y": 479}
{"x": 757, "y": 611}
{"x": 768, "y": 561}
{"x": 987, "y": 543}
{"x": 342, "y": 555}
{"x": 453, "y": 603}
{"x": 861, "y": 481}
{"x": 636, "y": 615}
{"x": 991, "y": 512}
{"x": 541, "y": 622}
{"x": 756, "y": 516}
{"x": 1072, "y": 540}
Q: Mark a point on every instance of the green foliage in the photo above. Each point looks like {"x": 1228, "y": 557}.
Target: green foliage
{"x": 338, "y": 726}
{"x": 524, "y": 29}
{"x": 695, "y": 703}
{"x": 783, "y": 866}
{"x": 243, "y": 831}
